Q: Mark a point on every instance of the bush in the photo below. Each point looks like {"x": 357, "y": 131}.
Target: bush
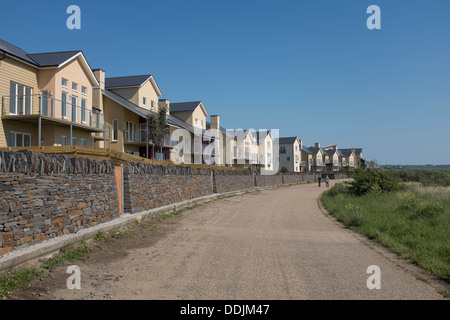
{"x": 370, "y": 180}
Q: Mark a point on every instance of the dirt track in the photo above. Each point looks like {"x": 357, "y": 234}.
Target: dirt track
{"x": 271, "y": 244}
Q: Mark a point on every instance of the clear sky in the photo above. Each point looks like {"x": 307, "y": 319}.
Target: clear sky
{"x": 311, "y": 69}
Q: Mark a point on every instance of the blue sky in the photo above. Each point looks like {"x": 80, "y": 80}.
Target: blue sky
{"x": 311, "y": 69}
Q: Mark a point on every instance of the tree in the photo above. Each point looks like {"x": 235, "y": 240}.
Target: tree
{"x": 156, "y": 128}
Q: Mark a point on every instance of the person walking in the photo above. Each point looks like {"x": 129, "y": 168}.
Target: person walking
{"x": 319, "y": 179}
{"x": 327, "y": 181}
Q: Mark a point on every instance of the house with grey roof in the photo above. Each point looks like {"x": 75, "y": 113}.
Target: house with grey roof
{"x": 47, "y": 99}
{"x": 313, "y": 157}
{"x": 290, "y": 154}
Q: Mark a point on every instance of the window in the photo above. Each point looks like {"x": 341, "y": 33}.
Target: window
{"x": 19, "y": 139}
{"x": 288, "y": 158}
{"x": 64, "y": 82}
{"x": 131, "y": 131}
{"x": 144, "y": 101}
{"x": 83, "y": 142}
{"x": 196, "y": 121}
{"x": 115, "y": 133}
{"x": 84, "y": 90}
{"x": 64, "y": 105}
{"x": 83, "y": 110}
{"x": 20, "y": 101}
{"x": 153, "y": 104}
{"x": 74, "y": 109}
{"x": 74, "y": 141}
{"x": 63, "y": 141}
{"x": 74, "y": 86}
{"x": 282, "y": 149}
{"x": 201, "y": 123}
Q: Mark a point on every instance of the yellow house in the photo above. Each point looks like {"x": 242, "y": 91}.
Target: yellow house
{"x": 347, "y": 158}
{"x": 126, "y": 102}
{"x": 331, "y": 158}
{"x": 313, "y": 158}
{"x": 47, "y": 99}
{"x": 191, "y": 116}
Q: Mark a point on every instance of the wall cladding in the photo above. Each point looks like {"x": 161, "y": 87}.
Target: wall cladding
{"x": 150, "y": 186}
{"x": 267, "y": 181}
{"x": 42, "y": 197}
{"x": 227, "y": 180}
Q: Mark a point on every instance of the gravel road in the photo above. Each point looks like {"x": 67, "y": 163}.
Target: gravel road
{"x": 270, "y": 244}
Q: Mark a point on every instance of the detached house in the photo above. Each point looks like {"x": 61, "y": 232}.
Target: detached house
{"x": 47, "y": 99}
{"x": 314, "y": 158}
{"x": 331, "y": 158}
{"x": 127, "y": 101}
{"x": 290, "y": 154}
{"x": 347, "y": 158}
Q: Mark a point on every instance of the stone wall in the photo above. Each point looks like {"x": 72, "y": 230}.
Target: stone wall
{"x": 228, "y": 180}
{"x": 290, "y": 178}
{"x": 42, "y": 197}
{"x": 150, "y": 186}
{"x": 268, "y": 181}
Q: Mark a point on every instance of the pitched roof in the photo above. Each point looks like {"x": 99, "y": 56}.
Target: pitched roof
{"x": 287, "y": 140}
{"x": 184, "y": 106}
{"x": 46, "y": 59}
{"x": 127, "y": 81}
{"x": 345, "y": 152}
{"x": 313, "y": 150}
{"x": 52, "y": 59}
{"x": 15, "y": 51}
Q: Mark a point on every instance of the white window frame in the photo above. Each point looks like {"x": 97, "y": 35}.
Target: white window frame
{"x": 66, "y": 81}
{"x": 144, "y": 101}
{"x": 62, "y": 144}
{"x": 24, "y": 100}
{"x": 76, "y": 86}
{"x": 115, "y": 129}
{"x": 84, "y": 90}
{"x": 15, "y": 133}
{"x": 83, "y": 142}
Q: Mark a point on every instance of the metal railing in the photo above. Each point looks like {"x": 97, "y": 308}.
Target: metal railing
{"x": 41, "y": 105}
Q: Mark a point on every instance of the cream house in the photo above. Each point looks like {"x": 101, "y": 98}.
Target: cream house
{"x": 47, "y": 99}
{"x": 290, "y": 154}
{"x": 126, "y": 102}
{"x": 313, "y": 158}
{"x": 331, "y": 158}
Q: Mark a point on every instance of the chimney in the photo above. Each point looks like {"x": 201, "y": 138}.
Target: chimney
{"x": 301, "y": 144}
{"x": 100, "y": 75}
{"x": 317, "y": 145}
{"x": 164, "y": 103}
{"x": 97, "y": 96}
{"x": 215, "y": 122}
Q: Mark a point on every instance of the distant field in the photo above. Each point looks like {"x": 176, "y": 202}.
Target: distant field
{"x": 444, "y": 167}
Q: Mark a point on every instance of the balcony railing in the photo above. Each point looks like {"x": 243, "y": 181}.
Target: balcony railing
{"x": 141, "y": 136}
{"x": 41, "y": 105}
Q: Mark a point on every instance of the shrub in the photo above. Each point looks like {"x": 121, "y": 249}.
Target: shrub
{"x": 370, "y": 180}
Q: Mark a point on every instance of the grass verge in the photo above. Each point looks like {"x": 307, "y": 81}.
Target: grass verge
{"x": 413, "y": 222}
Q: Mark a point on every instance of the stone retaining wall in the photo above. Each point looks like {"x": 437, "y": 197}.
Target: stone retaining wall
{"x": 150, "y": 186}
{"x": 42, "y": 197}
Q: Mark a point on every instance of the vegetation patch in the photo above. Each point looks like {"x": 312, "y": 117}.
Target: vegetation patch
{"x": 412, "y": 219}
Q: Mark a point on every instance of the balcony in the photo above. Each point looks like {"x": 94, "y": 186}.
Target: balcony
{"x": 140, "y": 136}
{"x": 33, "y": 107}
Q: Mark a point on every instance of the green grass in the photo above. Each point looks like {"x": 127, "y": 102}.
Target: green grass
{"x": 413, "y": 222}
{"x": 17, "y": 280}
